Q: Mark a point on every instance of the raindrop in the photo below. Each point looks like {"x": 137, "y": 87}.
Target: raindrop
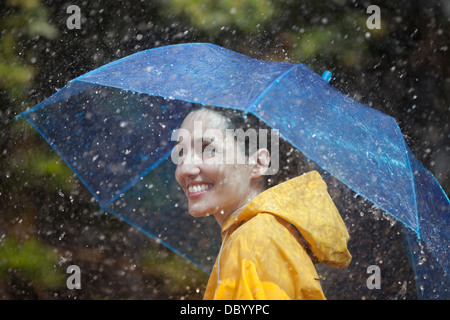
{"x": 422, "y": 261}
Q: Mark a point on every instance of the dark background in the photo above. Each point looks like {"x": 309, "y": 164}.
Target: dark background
{"x": 48, "y": 220}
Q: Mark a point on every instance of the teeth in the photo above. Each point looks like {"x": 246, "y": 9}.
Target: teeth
{"x": 199, "y": 187}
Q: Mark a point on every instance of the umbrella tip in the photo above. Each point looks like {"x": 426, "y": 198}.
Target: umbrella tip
{"x": 326, "y": 75}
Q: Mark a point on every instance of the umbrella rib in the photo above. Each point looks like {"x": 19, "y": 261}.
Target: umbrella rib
{"x": 348, "y": 185}
{"x": 62, "y": 157}
{"x": 164, "y": 96}
{"x": 276, "y": 81}
{"x": 151, "y": 235}
{"x": 144, "y": 52}
{"x": 107, "y": 65}
{"x": 40, "y": 105}
{"x": 134, "y": 181}
{"x": 261, "y": 96}
{"x": 413, "y": 184}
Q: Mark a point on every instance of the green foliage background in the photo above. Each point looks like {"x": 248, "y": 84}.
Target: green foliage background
{"x": 48, "y": 220}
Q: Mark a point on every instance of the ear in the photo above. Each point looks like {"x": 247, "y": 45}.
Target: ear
{"x": 261, "y": 161}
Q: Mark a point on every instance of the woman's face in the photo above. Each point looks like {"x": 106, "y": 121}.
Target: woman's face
{"x": 208, "y": 170}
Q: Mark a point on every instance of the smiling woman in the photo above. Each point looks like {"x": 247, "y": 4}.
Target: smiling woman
{"x": 212, "y": 186}
{"x": 271, "y": 235}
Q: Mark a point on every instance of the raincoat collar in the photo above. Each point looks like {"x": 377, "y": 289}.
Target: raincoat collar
{"x": 305, "y": 203}
{"x": 261, "y": 200}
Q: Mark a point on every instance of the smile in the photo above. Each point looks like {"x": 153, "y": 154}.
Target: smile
{"x": 199, "y": 188}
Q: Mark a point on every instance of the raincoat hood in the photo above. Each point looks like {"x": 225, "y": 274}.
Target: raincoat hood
{"x": 303, "y": 204}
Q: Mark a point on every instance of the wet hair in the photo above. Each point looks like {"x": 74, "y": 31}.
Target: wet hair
{"x": 292, "y": 162}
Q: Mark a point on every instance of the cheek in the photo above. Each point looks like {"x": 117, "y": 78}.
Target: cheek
{"x": 242, "y": 177}
{"x": 213, "y": 168}
{"x": 235, "y": 178}
{"x": 177, "y": 175}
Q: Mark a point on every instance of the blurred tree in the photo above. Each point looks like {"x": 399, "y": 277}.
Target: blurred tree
{"x": 401, "y": 69}
{"x": 213, "y": 16}
{"x": 23, "y": 258}
{"x": 32, "y": 263}
{"x": 26, "y": 18}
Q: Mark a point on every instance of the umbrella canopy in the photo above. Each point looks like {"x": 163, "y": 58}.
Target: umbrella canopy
{"x": 113, "y": 127}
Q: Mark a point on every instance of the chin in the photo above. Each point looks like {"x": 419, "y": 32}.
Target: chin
{"x": 197, "y": 213}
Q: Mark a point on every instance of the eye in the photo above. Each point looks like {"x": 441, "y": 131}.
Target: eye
{"x": 208, "y": 150}
{"x": 178, "y": 154}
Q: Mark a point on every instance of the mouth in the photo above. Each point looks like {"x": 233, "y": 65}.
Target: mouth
{"x": 198, "y": 189}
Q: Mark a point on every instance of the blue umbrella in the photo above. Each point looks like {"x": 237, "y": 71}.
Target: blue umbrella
{"x": 113, "y": 127}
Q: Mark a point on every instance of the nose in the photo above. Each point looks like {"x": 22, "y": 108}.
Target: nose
{"x": 187, "y": 169}
{"x": 189, "y": 166}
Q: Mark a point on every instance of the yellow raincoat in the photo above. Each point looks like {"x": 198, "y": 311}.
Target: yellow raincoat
{"x": 269, "y": 246}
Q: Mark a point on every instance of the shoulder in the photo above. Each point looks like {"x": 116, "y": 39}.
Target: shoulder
{"x": 265, "y": 238}
{"x": 260, "y": 230}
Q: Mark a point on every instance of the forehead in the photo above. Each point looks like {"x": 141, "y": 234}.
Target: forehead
{"x": 206, "y": 119}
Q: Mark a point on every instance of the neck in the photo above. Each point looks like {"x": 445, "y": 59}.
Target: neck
{"x": 221, "y": 217}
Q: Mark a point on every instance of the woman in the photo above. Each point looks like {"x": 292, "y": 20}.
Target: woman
{"x": 271, "y": 236}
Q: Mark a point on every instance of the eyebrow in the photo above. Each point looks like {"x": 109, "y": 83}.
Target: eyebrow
{"x": 208, "y": 139}
{"x": 203, "y": 139}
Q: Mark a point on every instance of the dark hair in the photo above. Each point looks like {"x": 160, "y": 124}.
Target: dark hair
{"x": 292, "y": 162}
